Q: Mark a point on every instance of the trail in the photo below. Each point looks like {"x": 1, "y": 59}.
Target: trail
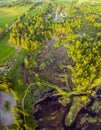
{"x": 23, "y": 99}
{"x": 8, "y": 29}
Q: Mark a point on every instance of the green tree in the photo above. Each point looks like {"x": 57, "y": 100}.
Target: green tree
{"x": 5, "y": 83}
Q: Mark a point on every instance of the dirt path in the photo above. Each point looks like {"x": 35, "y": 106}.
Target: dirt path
{"x": 6, "y": 117}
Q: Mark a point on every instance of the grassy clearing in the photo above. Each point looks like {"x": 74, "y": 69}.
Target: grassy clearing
{"x": 63, "y": 1}
{"x": 9, "y": 14}
{"x": 6, "y": 51}
{"x": 15, "y": 73}
{"x": 8, "y": 0}
{"x": 34, "y": 11}
{"x": 19, "y": 85}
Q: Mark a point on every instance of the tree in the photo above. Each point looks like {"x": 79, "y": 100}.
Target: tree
{"x": 86, "y": 73}
{"x": 5, "y": 83}
{"x": 7, "y": 26}
{"x": 1, "y": 31}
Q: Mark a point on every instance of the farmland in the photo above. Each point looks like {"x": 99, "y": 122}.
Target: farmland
{"x": 9, "y": 15}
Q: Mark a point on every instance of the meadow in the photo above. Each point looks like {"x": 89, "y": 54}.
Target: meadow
{"x": 6, "y": 51}
{"x": 9, "y": 14}
{"x": 66, "y": 1}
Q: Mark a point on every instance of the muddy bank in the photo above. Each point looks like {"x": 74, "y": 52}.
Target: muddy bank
{"x": 51, "y": 115}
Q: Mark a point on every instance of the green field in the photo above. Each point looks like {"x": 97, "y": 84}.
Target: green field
{"x": 6, "y": 51}
{"x": 8, "y": 15}
{"x": 75, "y": 1}
{"x": 7, "y": 0}
{"x": 65, "y": 1}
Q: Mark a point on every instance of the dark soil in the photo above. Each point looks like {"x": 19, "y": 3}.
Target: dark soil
{"x": 55, "y": 62}
{"x": 50, "y": 115}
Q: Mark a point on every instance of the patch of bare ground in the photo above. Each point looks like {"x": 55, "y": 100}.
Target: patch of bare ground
{"x": 52, "y": 65}
{"x": 7, "y": 101}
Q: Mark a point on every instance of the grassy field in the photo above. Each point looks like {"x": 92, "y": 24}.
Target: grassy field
{"x": 6, "y": 51}
{"x": 65, "y": 1}
{"x": 73, "y": 1}
{"x": 7, "y": 0}
{"x": 8, "y": 15}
